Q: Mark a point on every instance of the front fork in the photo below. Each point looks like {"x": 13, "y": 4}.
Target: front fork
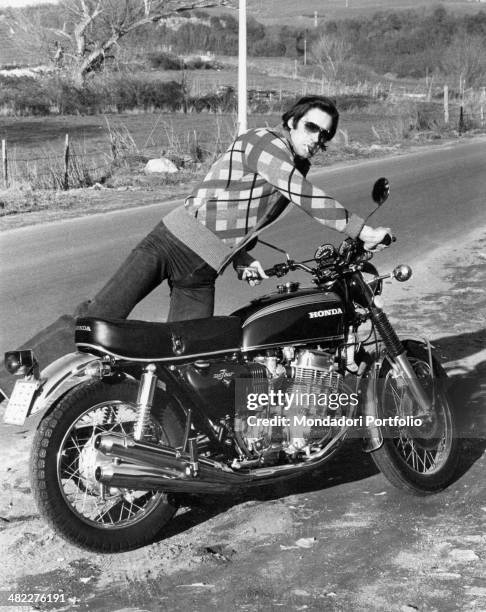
{"x": 395, "y": 350}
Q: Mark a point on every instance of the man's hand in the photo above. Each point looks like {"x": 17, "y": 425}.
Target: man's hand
{"x": 372, "y": 236}
{"x": 252, "y": 273}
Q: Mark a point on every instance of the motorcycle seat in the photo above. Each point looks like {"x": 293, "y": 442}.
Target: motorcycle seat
{"x": 143, "y": 340}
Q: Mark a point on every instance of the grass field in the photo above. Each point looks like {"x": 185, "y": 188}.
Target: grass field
{"x": 36, "y": 145}
{"x": 34, "y": 138}
{"x": 30, "y": 138}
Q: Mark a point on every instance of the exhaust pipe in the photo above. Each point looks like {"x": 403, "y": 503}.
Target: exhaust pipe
{"x": 129, "y": 476}
{"x": 143, "y": 453}
{"x": 161, "y": 467}
{"x": 141, "y": 465}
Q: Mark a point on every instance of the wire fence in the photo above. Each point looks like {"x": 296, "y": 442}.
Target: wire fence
{"x": 63, "y": 170}
{"x": 72, "y": 165}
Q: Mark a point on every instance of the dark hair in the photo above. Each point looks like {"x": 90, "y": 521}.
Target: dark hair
{"x": 305, "y": 104}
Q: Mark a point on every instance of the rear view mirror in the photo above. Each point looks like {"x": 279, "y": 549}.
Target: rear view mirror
{"x": 381, "y": 191}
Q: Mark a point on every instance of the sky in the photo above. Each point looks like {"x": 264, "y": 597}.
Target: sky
{"x": 17, "y": 3}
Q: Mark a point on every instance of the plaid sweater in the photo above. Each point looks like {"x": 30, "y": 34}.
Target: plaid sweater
{"x": 246, "y": 190}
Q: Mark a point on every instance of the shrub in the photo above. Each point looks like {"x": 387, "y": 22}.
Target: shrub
{"x": 223, "y": 101}
{"x": 24, "y": 96}
{"x": 73, "y": 100}
{"x": 346, "y": 102}
{"x": 162, "y": 60}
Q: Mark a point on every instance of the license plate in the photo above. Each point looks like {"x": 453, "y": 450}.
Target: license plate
{"x": 20, "y": 401}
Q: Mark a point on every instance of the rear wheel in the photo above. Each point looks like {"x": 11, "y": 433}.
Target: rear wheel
{"x": 64, "y": 460}
{"x": 420, "y": 459}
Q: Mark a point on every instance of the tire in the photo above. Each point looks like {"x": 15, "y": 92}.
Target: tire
{"x": 420, "y": 460}
{"x": 63, "y": 460}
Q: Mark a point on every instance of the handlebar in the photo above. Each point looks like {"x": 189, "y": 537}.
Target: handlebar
{"x": 281, "y": 269}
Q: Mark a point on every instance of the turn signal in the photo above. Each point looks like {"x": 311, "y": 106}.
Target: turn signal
{"x": 20, "y": 363}
{"x": 402, "y": 273}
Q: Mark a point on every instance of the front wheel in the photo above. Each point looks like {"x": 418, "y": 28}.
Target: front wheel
{"x": 64, "y": 461}
{"x": 420, "y": 459}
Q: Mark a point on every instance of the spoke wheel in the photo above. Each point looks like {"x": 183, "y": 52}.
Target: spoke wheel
{"x": 419, "y": 458}
{"x": 64, "y": 460}
{"x": 77, "y": 458}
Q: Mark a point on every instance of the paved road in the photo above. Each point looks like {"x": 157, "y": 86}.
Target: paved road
{"x": 341, "y": 539}
{"x": 47, "y": 269}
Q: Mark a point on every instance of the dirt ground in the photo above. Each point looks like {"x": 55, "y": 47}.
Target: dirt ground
{"x": 343, "y": 539}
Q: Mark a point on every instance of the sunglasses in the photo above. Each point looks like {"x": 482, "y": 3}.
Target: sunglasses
{"x": 313, "y": 128}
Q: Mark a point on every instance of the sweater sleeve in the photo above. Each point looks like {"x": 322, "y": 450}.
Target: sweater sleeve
{"x": 269, "y": 156}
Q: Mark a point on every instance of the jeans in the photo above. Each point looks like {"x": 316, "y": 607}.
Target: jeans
{"x": 159, "y": 256}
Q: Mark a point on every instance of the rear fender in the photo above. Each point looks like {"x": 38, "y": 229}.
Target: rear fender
{"x": 59, "y": 377}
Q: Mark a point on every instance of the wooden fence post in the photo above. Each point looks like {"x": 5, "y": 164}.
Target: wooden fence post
{"x": 481, "y": 107}
{"x": 66, "y": 163}
{"x": 446, "y": 104}
{"x": 4, "y": 164}
{"x": 429, "y": 90}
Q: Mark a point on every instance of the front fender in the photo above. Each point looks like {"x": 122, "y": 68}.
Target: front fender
{"x": 59, "y": 377}
{"x": 368, "y": 386}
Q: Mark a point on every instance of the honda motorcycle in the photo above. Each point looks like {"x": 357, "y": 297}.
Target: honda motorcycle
{"x": 144, "y": 412}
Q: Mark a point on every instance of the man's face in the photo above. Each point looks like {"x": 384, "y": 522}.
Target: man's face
{"x": 305, "y": 134}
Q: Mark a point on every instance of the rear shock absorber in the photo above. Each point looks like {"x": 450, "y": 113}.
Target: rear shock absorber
{"x": 145, "y": 398}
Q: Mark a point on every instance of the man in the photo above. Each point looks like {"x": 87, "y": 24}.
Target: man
{"x": 245, "y": 191}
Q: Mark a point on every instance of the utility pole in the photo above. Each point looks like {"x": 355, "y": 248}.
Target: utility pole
{"x": 315, "y": 19}
{"x": 242, "y": 87}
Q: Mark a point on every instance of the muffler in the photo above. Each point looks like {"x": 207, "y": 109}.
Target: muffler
{"x": 141, "y": 465}
{"x": 139, "y": 477}
{"x": 143, "y": 453}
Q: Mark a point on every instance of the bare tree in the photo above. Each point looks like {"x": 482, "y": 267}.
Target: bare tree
{"x": 92, "y": 28}
{"x": 464, "y": 60}
{"x": 27, "y": 38}
{"x": 331, "y": 53}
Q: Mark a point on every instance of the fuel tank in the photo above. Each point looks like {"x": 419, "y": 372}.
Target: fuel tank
{"x": 296, "y": 316}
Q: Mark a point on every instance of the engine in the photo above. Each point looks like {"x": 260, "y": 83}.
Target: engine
{"x": 288, "y": 400}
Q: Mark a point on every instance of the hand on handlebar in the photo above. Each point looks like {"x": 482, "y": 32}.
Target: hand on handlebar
{"x": 252, "y": 273}
{"x": 376, "y": 238}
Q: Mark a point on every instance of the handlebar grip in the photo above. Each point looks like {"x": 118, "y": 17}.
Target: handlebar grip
{"x": 270, "y": 271}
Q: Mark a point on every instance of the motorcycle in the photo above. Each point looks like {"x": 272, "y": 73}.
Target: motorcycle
{"x": 144, "y": 412}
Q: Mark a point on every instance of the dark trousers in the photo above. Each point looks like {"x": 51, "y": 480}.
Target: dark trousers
{"x": 159, "y": 256}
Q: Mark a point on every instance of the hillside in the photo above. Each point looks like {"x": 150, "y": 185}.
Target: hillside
{"x": 302, "y": 13}
{"x": 15, "y": 52}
